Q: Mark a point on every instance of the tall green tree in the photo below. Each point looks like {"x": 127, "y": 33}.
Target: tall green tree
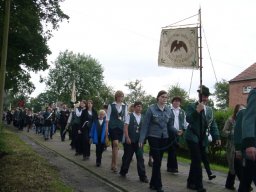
{"x": 176, "y": 90}
{"x": 85, "y": 71}
{"x": 222, "y": 94}
{"x": 31, "y": 25}
{"x": 136, "y": 91}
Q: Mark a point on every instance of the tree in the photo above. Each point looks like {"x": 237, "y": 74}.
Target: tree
{"x": 222, "y": 94}
{"x": 85, "y": 71}
{"x": 31, "y": 25}
{"x": 176, "y": 90}
{"x": 136, "y": 92}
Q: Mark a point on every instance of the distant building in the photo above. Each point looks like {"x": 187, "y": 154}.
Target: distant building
{"x": 240, "y": 86}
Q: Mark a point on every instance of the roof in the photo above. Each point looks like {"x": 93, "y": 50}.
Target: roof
{"x": 247, "y": 74}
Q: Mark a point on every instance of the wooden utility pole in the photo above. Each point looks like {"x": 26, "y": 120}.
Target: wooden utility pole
{"x": 4, "y": 55}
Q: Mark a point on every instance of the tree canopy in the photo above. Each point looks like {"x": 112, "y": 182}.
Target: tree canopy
{"x": 85, "y": 71}
{"x": 31, "y": 25}
{"x": 222, "y": 94}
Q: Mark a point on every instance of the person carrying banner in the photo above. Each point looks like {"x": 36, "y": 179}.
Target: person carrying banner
{"x": 201, "y": 120}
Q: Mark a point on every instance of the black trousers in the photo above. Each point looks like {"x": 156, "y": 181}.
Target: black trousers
{"x": 248, "y": 175}
{"x": 99, "y": 150}
{"x": 77, "y": 139}
{"x": 195, "y": 177}
{"x": 129, "y": 150}
{"x": 157, "y": 148}
{"x": 62, "y": 133}
{"x": 86, "y": 146}
{"x": 172, "y": 157}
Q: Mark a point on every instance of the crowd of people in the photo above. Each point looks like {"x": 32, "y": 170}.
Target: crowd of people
{"x": 161, "y": 127}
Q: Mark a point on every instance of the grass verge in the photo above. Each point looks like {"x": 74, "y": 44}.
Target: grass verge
{"x": 24, "y": 170}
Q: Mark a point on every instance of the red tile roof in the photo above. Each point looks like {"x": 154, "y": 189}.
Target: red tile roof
{"x": 247, "y": 74}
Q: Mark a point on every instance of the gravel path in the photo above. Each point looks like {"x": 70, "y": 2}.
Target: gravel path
{"x": 71, "y": 174}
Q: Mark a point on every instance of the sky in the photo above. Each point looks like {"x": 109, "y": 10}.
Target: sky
{"x": 124, "y": 37}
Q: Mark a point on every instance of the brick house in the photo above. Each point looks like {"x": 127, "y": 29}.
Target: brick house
{"x": 240, "y": 86}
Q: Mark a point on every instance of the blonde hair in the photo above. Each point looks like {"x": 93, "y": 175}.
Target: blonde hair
{"x": 102, "y": 112}
{"x": 119, "y": 94}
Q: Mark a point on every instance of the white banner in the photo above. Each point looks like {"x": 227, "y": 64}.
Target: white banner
{"x": 179, "y": 48}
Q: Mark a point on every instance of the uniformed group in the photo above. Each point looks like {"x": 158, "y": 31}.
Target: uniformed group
{"x": 161, "y": 127}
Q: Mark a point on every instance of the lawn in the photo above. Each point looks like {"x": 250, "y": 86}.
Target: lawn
{"x": 24, "y": 170}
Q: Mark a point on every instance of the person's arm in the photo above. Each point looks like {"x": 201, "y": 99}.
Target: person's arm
{"x": 227, "y": 128}
{"x": 145, "y": 127}
{"x": 126, "y": 132}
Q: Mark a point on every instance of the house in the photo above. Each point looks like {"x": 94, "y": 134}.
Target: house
{"x": 240, "y": 86}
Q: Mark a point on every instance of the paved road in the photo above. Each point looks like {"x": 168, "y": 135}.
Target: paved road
{"x": 171, "y": 182}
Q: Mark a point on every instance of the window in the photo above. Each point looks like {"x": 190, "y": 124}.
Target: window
{"x": 247, "y": 89}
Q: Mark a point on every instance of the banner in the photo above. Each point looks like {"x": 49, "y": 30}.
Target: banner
{"x": 73, "y": 92}
{"x": 179, "y": 48}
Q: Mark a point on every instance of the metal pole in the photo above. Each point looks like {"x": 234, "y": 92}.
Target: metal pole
{"x": 4, "y": 55}
{"x": 200, "y": 55}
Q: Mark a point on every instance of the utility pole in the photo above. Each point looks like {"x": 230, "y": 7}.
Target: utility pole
{"x": 4, "y": 55}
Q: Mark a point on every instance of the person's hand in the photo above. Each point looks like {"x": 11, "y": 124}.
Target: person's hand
{"x": 200, "y": 107}
{"x": 128, "y": 140}
{"x": 140, "y": 145}
{"x": 251, "y": 153}
{"x": 238, "y": 155}
{"x": 179, "y": 132}
{"x": 90, "y": 141}
{"x": 218, "y": 142}
{"x": 79, "y": 132}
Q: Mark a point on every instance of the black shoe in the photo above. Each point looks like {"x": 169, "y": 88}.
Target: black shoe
{"x": 98, "y": 164}
{"x": 230, "y": 188}
{"x": 160, "y": 190}
{"x": 201, "y": 190}
{"x": 172, "y": 170}
{"x": 122, "y": 174}
{"x": 150, "y": 163}
{"x": 210, "y": 177}
{"x": 144, "y": 180}
{"x": 192, "y": 186}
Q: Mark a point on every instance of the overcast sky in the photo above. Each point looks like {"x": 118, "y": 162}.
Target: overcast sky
{"x": 124, "y": 37}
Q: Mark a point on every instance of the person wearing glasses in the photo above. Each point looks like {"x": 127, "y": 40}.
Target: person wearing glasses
{"x": 158, "y": 128}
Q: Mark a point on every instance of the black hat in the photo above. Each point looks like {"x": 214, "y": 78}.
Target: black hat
{"x": 176, "y": 99}
{"x": 205, "y": 91}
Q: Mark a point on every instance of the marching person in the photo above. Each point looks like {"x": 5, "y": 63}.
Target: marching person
{"x": 201, "y": 120}
{"x": 249, "y": 141}
{"x": 88, "y": 116}
{"x": 179, "y": 124}
{"x": 158, "y": 128}
{"x": 116, "y": 114}
{"x": 47, "y": 122}
{"x": 98, "y": 135}
{"x": 63, "y": 119}
{"x": 132, "y": 129}
{"x": 228, "y": 133}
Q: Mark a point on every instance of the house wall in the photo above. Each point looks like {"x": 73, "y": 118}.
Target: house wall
{"x": 236, "y": 95}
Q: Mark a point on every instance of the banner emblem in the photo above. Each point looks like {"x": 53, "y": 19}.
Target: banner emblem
{"x": 179, "y": 48}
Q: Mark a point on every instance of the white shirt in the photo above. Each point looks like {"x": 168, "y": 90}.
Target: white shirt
{"x": 137, "y": 117}
{"x": 118, "y": 108}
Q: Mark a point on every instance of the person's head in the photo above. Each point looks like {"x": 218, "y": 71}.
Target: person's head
{"x": 83, "y": 103}
{"x": 102, "y": 114}
{"x": 238, "y": 107}
{"x": 137, "y": 106}
{"x": 205, "y": 93}
{"x": 131, "y": 108}
{"x": 64, "y": 106}
{"x": 176, "y": 101}
{"x": 162, "y": 97}
{"x": 89, "y": 104}
{"x": 119, "y": 95}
